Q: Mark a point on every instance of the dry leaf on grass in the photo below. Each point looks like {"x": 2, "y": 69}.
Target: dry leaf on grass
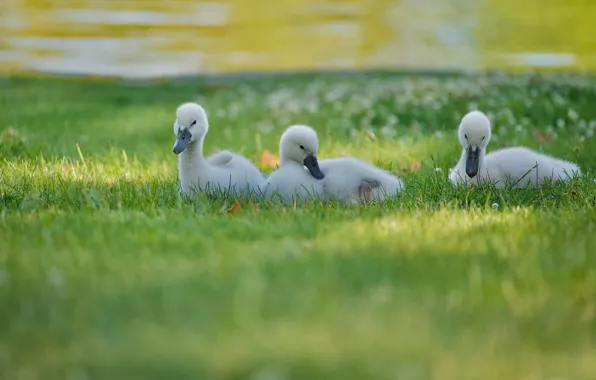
{"x": 9, "y": 132}
{"x": 213, "y": 87}
{"x": 415, "y": 166}
{"x": 269, "y": 160}
{"x": 233, "y": 208}
{"x": 541, "y": 135}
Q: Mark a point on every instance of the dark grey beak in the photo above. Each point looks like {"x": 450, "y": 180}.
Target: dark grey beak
{"x": 312, "y": 165}
{"x": 472, "y": 162}
{"x": 182, "y": 141}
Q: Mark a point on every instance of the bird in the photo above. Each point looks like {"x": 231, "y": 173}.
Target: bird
{"x": 225, "y": 171}
{"x": 515, "y": 166}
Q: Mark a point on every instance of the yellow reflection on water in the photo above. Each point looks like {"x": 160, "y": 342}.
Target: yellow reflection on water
{"x": 163, "y": 38}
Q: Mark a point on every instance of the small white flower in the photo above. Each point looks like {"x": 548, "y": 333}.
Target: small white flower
{"x": 495, "y": 205}
{"x": 265, "y": 127}
{"x": 582, "y": 124}
{"x": 388, "y": 132}
{"x": 55, "y": 277}
{"x": 270, "y": 373}
{"x": 438, "y": 170}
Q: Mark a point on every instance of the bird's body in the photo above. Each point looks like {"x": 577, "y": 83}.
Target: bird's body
{"x": 292, "y": 183}
{"x": 350, "y": 180}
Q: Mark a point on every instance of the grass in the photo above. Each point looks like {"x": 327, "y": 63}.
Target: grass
{"x": 107, "y": 273}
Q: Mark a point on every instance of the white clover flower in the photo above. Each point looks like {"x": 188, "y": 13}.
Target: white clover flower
{"x": 388, "y": 132}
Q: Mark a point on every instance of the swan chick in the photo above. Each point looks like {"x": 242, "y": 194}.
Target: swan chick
{"x": 299, "y": 176}
{"x": 223, "y": 171}
{"x": 519, "y": 166}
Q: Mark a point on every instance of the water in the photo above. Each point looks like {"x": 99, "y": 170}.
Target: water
{"x": 133, "y": 38}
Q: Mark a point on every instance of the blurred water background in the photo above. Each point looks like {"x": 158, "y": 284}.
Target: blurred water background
{"x": 155, "y": 38}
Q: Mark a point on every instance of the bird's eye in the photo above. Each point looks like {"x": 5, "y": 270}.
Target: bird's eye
{"x": 483, "y": 137}
{"x": 302, "y": 147}
{"x": 193, "y": 123}
{"x": 466, "y": 136}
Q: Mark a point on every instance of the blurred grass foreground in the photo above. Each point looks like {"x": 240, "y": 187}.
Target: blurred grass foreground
{"x": 107, "y": 273}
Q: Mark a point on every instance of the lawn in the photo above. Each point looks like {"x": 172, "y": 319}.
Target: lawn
{"x": 106, "y": 272}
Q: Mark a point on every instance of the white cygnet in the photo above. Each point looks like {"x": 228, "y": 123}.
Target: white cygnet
{"x": 516, "y": 166}
{"x": 223, "y": 172}
{"x": 347, "y": 180}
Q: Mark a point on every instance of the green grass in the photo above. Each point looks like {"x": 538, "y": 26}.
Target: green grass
{"x": 107, "y": 273}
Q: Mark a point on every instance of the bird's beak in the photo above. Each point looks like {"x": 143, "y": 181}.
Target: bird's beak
{"x": 312, "y": 165}
{"x": 472, "y": 161}
{"x": 182, "y": 140}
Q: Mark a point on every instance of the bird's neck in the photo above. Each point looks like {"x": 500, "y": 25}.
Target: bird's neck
{"x": 191, "y": 161}
{"x": 288, "y": 162}
{"x": 283, "y": 158}
{"x": 194, "y": 151}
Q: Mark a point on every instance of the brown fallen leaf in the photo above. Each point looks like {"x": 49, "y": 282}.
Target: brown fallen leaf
{"x": 8, "y": 132}
{"x": 233, "y": 208}
{"x": 269, "y": 160}
{"x": 541, "y": 135}
{"x": 415, "y": 166}
{"x": 207, "y": 87}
